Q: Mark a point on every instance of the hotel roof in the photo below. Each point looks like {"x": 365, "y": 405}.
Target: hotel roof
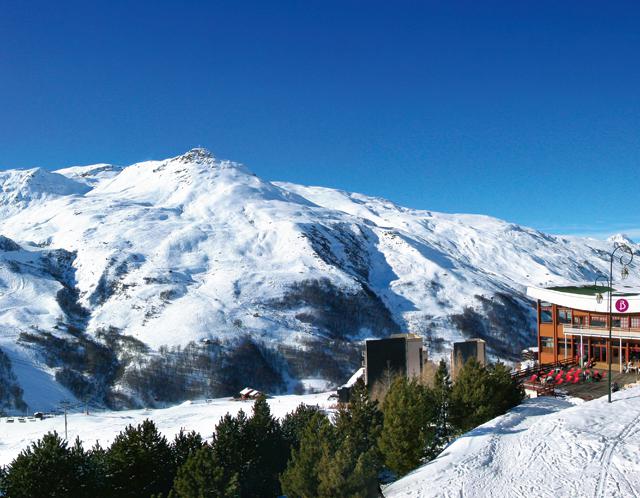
{"x": 583, "y": 297}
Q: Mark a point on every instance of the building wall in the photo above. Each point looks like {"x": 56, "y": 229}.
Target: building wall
{"x": 551, "y": 337}
{"x": 463, "y": 351}
{"x": 414, "y": 355}
{"x": 384, "y": 359}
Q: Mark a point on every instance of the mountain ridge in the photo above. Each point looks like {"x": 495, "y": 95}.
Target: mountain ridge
{"x": 193, "y": 259}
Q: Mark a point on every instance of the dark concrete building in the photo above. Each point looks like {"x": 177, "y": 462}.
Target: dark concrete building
{"x": 399, "y": 354}
{"x": 462, "y": 351}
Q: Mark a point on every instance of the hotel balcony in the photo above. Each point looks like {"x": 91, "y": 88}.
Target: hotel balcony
{"x": 616, "y": 332}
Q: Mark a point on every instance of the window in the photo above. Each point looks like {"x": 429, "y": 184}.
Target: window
{"x": 598, "y": 321}
{"x": 546, "y": 314}
{"x": 546, "y": 342}
{"x": 620, "y": 321}
{"x": 580, "y": 321}
{"x": 635, "y": 322}
{"x": 564, "y": 316}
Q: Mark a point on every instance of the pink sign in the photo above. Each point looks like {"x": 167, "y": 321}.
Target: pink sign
{"x": 622, "y": 305}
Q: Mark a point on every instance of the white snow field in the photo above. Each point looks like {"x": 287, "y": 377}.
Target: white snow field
{"x": 194, "y": 249}
{"x": 200, "y": 416}
{"x": 545, "y": 447}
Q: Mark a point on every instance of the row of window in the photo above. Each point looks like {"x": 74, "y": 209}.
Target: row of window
{"x": 565, "y": 317}
{"x": 597, "y": 350}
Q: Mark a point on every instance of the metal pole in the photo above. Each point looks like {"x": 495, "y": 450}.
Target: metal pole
{"x": 610, "y": 349}
{"x": 620, "y": 353}
{"x": 65, "y": 404}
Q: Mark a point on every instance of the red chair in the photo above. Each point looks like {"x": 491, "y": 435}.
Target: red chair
{"x": 576, "y": 380}
{"x": 533, "y": 378}
{"x": 559, "y": 381}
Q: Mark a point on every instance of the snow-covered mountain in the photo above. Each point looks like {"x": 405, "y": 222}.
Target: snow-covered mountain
{"x": 167, "y": 280}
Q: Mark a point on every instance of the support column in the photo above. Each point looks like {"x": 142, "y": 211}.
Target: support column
{"x": 554, "y": 310}
{"x": 626, "y": 352}
{"x": 581, "y": 353}
{"x": 620, "y": 354}
{"x": 565, "y": 347}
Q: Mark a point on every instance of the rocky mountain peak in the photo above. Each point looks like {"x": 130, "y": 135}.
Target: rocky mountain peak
{"x": 197, "y": 155}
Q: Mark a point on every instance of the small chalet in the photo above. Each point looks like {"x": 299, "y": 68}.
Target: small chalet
{"x": 249, "y": 393}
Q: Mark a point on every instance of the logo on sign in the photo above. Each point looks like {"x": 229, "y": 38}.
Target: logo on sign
{"x": 622, "y": 305}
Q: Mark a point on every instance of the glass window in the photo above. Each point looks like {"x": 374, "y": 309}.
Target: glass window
{"x": 598, "y": 321}
{"x": 620, "y": 321}
{"x": 635, "y": 322}
{"x": 546, "y": 342}
{"x": 564, "y": 316}
{"x": 546, "y": 314}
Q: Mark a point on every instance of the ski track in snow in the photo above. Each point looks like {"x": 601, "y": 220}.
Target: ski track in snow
{"x": 543, "y": 448}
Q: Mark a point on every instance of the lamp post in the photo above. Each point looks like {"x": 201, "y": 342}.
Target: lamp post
{"x": 625, "y": 258}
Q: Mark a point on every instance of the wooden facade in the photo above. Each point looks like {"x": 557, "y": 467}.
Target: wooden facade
{"x": 566, "y": 332}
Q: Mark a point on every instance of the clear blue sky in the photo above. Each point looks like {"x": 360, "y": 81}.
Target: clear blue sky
{"x": 529, "y": 111}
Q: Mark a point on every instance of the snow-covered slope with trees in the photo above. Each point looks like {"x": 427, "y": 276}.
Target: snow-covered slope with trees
{"x": 191, "y": 276}
{"x": 545, "y": 447}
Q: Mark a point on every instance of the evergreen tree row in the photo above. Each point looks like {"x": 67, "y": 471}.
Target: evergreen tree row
{"x": 304, "y": 455}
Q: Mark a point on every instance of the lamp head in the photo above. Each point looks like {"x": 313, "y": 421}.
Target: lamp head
{"x": 625, "y": 272}
{"x": 598, "y": 298}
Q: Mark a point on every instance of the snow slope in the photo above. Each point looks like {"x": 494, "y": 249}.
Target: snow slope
{"x": 193, "y": 267}
{"x": 545, "y": 447}
{"x": 200, "y": 416}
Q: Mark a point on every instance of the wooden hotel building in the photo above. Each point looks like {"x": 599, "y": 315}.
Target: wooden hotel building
{"x": 573, "y": 323}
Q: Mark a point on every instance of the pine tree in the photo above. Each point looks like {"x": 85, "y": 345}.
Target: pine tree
{"x": 441, "y": 391}
{"x": 294, "y": 423}
{"x": 349, "y": 467}
{"x": 301, "y": 477}
{"x": 184, "y": 445}
{"x": 202, "y": 476}
{"x": 139, "y": 462}
{"x": 361, "y": 422}
{"x": 48, "y": 468}
{"x": 482, "y": 393}
{"x": 268, "y": 453}
{"x": 97, "y": 469}
{"x": 470, "y": 397}
{"x": 231, "y": 445}
{"x": 344, "y": 472}
{"x": 409, "y": 414}
{"x": 506, "y": 392}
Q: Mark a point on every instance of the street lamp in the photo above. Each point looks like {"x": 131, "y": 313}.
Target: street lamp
{"x": 596, "y": 284}
{"x": 625, "y": 258}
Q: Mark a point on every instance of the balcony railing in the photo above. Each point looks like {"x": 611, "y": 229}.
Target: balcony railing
{"x": 616, "y": 332}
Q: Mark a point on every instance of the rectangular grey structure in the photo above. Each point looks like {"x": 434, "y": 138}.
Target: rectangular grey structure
{"x": 399, "y": 354}
{"x": 463, "y": 351}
